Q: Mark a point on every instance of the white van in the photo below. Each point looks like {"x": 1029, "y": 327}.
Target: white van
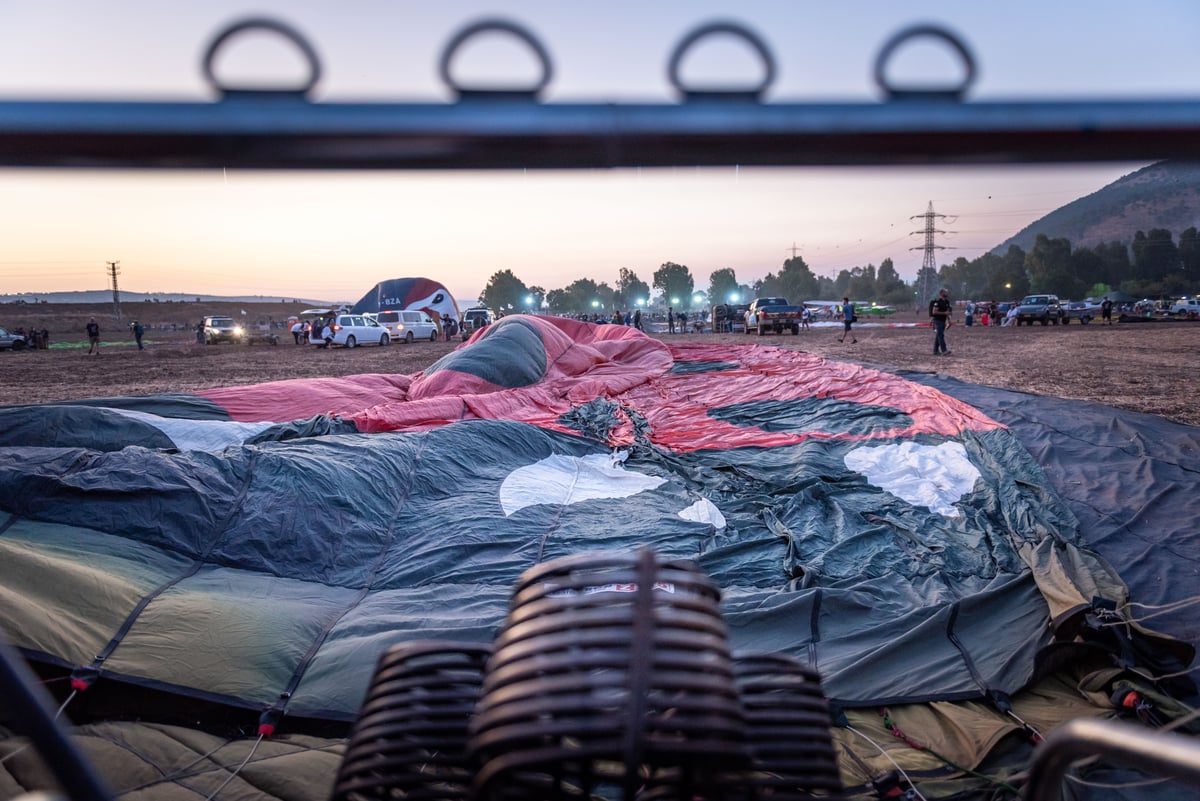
{"x": 406, "y": 325}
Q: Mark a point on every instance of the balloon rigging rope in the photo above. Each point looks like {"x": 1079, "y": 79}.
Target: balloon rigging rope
{"x": 236, "y": 770}
{"x": 883, "y": 751}
{"x": 57, "y": 715}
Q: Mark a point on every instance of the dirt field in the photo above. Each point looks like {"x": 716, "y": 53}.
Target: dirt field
{"x": 1145, "y": 367}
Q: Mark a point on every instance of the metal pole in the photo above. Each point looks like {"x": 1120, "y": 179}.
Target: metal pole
{"x": 1154, "y": 752}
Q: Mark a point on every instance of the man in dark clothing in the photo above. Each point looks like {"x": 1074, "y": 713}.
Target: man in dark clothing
{"x": 93, "y": 333}
{"x": 139, "y": 331}
{"x": 1106, "y": 311}
{"x": 939, "y": 310}
{"x": 670, "y": 319}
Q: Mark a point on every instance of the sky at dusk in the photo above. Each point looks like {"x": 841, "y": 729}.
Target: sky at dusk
{"x": 334, "y": 235}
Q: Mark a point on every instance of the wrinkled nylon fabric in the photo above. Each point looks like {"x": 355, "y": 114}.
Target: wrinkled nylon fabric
{"x": 148, "y": 762}
{"x": 1128, "y": 478}
{"x": 291, "y": 562}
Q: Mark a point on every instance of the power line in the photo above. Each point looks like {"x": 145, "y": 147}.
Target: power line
{"x": 114, "y": 267}
{"x": 929, "y": 264}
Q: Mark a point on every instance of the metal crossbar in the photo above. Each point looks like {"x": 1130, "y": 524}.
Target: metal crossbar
{"x": 259, "y": 128}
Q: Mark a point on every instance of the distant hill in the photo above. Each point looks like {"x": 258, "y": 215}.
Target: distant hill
{"x": 105, "y": 296}
{"x": 1163, "y": 195}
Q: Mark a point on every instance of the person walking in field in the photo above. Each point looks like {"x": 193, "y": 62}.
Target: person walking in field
{"x": 93, "y": 334}
{"x": 939, "y": 310}
{"x": 848, "y": 320}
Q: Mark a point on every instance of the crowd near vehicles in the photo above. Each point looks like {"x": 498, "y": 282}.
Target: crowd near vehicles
{"x": 773, "y": 314}
{"x": 1044, "y": 309}
{"x": 11, "y": 341}
{"x": 222, "y": 329}
{"x": 407, "y": 325}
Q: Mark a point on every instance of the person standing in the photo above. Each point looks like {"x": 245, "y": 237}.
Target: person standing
{"x": 139, "y": 331}
{"x": 93, "y": 334}
{"x": 939, "y": 310}
{"x": 1106, "y": 311}
{"x": 848, "y": 320}
{"x": 670, "y": 319}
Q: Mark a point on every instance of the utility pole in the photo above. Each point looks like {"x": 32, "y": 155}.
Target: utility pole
{"x": 793, "y": 249}
{"x": 114, "y": 268}
{"x": 928, "y": 273}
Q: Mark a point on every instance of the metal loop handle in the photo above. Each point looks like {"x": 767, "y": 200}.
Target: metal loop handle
{"x": 504, "y": 26}
{"x": 734, "y": 29}
{"x": 265, "y": 24}
{"x": 893, "y": 92}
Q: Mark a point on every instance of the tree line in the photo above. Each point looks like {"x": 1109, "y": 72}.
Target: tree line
{"x": 1154, "y": 264}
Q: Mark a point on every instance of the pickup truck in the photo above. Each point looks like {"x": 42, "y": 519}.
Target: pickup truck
{"x": 773, "y": 314}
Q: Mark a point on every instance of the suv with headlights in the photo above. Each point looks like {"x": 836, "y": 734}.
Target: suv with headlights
{"x": 1044, "y": 309}
{"x": 222, "y": 329}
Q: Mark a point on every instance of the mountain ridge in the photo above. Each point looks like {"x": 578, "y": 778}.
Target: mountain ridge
{"x": 1163, "y": 195}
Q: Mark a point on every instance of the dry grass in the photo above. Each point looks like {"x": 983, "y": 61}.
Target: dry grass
{"x": 1145, "y": 367}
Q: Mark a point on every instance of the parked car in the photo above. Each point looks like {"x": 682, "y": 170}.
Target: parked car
{"x": 1044, "y": 309}
{"x": 1186, "y": 307}
{"x": 352, "y": 330}
{"x": 11, "y": 341}
{"x": 222, "y": 329}
{"x": 406, "y": 325}
{"x": 261, "y": 334}
{"x": 475, "y": 319}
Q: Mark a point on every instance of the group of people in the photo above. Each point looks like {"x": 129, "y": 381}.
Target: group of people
{"x": 672, "y": 318}
{"x": 449, "y": 326}
{"x": 633, "y": 319}
{"x": 984, "y": 314}
{"x": 36, "y": 338}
